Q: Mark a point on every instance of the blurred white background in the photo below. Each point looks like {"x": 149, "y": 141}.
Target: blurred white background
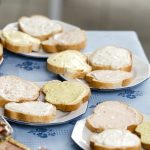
{"x": 87, "y": 14}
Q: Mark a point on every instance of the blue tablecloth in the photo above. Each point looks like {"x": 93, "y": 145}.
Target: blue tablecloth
{"x": 58, "y": 137}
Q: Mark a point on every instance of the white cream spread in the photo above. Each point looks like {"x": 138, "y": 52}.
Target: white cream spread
{"x": 111, "y": 56}
{"x": 33, "y": 108}
{"x": 113, "y": 114}
{"x": 70, "y": 37}
{"x": 17, "y": 37}
{"x": 38, "y": 26}
{"x": 111, "y": 76}
{"x": 72, "y": 60}
{"x": 14, "y": 89}
{"x": 116, "y": 138}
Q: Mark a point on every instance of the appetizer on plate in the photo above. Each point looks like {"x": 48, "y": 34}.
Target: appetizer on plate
{"x": 39, "y": 26}
{"x": 67, "y": 95}
{"x": 113, "y": 139}
{"x": 15, "y": 89}
{"x": 143, "y": 130}
{"x": 74, "y": 40}
{"x": 108, "y": 79}
{"x": 113, "y": 115}
{"x": 35, "y": 111}
{"x": 111, "y": 58}
{"x": 71, "y": 63}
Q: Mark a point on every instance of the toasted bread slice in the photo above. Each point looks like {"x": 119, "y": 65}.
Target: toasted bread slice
{"x": 115, "y": 139}
{"x": 143, "y": 130}
{"x": 11, "y": 144}
{"x": 111, "y": 58}
{"x": 16, "y": 89}
{"x": 67, "y": 95}
{"x": 35, "y": 111}
{"x": 71, "y": 63}
{"x": 39, "y": 26}
{"x": 108, "y": 79}
{"x": 1, "y": 51}
{"x": 19, "y": 42}
{"x": 113, "y": 115}
{"x": 74, "y": 40}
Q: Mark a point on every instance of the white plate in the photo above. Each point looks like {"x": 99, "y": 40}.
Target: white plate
{"x": 141, "y": 71}
{"x": 41, "y": 53}
{"x": 81, "y": 134}
{"x": 62, "y": 117}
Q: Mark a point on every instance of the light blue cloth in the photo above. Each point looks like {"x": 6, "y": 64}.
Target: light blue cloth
{"x": 58, "y": 137}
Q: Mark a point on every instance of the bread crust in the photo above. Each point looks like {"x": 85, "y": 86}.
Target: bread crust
{"x": 75, "y": 106}
{"x": 62, "y": 47}
{"x": 41, "y": 37}
{"x": 104, "y": 85}
{"x": 100, "y": 147}
{"x": 1, "y": 51}
{"x": 127, "y": 68}
{"x": 27, "y": 117}
{"x": 17, "y": 48}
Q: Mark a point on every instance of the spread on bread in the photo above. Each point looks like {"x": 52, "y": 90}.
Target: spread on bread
{"x": 143, "y": 130}
{"x": 39, "y": 26}
{"x": 111, "y": 58}
{"x": 112, "y": 139}
{"x": 71, "y": 63}
{"x": 67, "y": 95}
{"x": 16, "y": 89}
{"x": 108, "y": 78}
{"x": 74, "y": 40}
{"x": 113, "y": 115}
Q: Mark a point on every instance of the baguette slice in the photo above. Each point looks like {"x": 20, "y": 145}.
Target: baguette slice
{"x": 11, "y": 144}
{"x": 35, "y": 111}
{"x": 16, "y": 89}
{"x": 108, "y": 79}
{"x": 67, "y": 95}
{"x": 39, "y": 26}
{"x": 115, "y": 139}
{"x": 143, "y": 130}
{"x": 71, "y": 63}
{"x": 74, "y": 40}
{"x": 113, "y": 115}
{"x": 1, "y": 51}
{"x": 111, "y": 58}
{"x": 19, "y": 42}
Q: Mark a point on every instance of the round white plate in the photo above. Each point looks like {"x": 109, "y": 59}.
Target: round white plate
{"x": 81, "y": 134}
{"x": 41, "y": 53}
{"x": 61, "y": 117}
{"x": 141, "y": 71}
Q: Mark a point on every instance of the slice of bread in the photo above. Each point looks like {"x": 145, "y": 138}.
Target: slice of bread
{"x": 71, "y": 63}
{"x": 108, "y": 79}
{"x": 19, "y": 42}
{"x": 115, "y": 139}
{"x": 16, "y": 89}
{"x": 143, "y": 130}
{"x": 1, "y": 51}
{"x": 39, "y": 26}
{"x": 74, "y": 40}
{"x": 111, "y": 58}
{"x": 113, "y": 115}
{"x": 35, "y": 111}
{"x": 67, "y": 95}
{"x": 11, "y": 144}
